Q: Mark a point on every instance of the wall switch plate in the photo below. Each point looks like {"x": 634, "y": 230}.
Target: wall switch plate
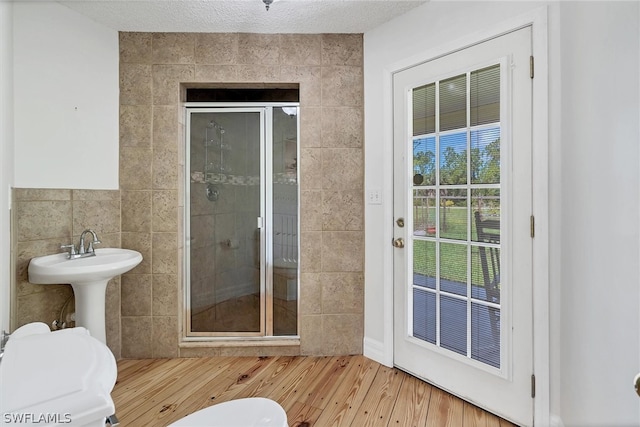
{"x": 374, "y": 196}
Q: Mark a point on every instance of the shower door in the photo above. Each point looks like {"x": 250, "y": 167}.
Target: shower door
{"x": 241, "y": 227}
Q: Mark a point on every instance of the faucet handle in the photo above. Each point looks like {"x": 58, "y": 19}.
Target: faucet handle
{"x": 91, "y": 248}
{"x": 72, "y": 248}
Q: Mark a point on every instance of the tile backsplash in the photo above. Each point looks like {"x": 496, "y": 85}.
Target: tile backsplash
{"x": 42, "y": 221}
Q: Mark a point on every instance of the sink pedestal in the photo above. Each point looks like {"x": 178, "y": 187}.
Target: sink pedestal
{"x": 90, "y": 307}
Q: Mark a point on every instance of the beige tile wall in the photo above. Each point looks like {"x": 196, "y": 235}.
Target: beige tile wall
{"x": 143, "y": 305}
{"x": 42, "y": 220}
{"x": 328, "y": 68}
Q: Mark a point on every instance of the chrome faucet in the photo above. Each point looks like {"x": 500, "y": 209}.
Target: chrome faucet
{"x": 89, "y": 249}
{"x": 82, "y": 251}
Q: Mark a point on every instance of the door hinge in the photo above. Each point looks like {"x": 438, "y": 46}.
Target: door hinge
{"x": 531, "y": 66}
{"x": 532, "y": 225}
{"x": 533, "y": 386}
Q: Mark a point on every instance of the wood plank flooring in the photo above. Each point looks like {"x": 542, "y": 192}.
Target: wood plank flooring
{"x": 314, "y": 391}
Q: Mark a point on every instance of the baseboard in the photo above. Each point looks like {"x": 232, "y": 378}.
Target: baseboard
{"x": 555, "y": 421}
{"x": 374, "y": 350}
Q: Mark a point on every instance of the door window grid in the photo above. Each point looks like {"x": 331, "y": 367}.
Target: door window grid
{"x": 462, "y": 190}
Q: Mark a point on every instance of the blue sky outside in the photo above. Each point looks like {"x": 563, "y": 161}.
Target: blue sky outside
{"x": 455, "y": 141}
{"x": 480, "y": 139}
{"x": 424, "y": 144}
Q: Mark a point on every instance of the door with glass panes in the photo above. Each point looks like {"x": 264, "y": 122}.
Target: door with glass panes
{"x": 462, "y": 206}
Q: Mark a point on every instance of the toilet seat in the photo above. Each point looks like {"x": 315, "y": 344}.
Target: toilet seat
{"x": 249, "y": 412}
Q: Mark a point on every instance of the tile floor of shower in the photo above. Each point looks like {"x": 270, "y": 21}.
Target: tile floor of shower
{"x": 242, "y": 313}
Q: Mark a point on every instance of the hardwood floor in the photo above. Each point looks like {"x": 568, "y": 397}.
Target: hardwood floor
{"x": 314, "y": 391}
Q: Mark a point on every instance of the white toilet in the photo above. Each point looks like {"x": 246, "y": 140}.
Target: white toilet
{"x": 61, "y": 378}
{"x": 65, "y": 378}
{"x": 250, "y": 412}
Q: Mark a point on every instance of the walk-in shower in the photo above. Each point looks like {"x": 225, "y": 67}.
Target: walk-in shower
{"x": 241, "y": 220}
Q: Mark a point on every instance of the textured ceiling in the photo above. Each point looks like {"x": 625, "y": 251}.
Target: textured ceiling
{"x": 284, "y": 16}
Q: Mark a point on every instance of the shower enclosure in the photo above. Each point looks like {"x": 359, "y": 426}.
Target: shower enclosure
{"x": 241, "y": 221}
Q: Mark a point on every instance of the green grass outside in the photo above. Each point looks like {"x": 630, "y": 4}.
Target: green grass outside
{"x": 453, "y": 257}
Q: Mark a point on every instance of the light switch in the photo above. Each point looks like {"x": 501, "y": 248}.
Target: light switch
{"x": 374, "y": 196}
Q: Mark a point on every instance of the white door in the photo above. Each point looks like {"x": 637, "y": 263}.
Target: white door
{"x": 462, "y": 207}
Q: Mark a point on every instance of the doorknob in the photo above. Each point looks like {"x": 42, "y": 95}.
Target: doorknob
{"x": 636, "y": 384}
{"x": 398, "y": 243}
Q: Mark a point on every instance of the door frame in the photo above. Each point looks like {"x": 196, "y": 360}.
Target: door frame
{"x": 538, "y": 21}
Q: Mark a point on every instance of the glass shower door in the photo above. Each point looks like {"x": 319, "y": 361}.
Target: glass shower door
{"x": 241, "y": 221}
{"x": 224, "y": 268}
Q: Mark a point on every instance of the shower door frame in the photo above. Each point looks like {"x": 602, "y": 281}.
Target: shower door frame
{"x": 264, "y": 221}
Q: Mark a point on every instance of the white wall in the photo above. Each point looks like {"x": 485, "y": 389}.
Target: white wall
{"x": 593, "y": 191}
{"x": 6, "y": 155}
{"x": 599, "y": 183}
{"x": 66, "y": 87}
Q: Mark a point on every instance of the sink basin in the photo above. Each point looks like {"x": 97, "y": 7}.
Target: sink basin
{"x": 107, "y": 264}
{"x": 88, "y": 277}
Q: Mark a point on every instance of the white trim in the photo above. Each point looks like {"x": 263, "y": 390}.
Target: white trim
{"x": 540, "y": 154}
{"x": 8, "y": 299}
{"x": 375, "y": 350}
{"x": 555, "y": 421}
{"x": 539, "y": 23}
{"x": 387, "y": 194}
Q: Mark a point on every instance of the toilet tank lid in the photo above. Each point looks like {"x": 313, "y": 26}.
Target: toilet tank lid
{"x": 30, "y": 329}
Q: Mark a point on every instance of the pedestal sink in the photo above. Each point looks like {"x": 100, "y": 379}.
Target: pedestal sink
{"x": 88, "y": 277}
